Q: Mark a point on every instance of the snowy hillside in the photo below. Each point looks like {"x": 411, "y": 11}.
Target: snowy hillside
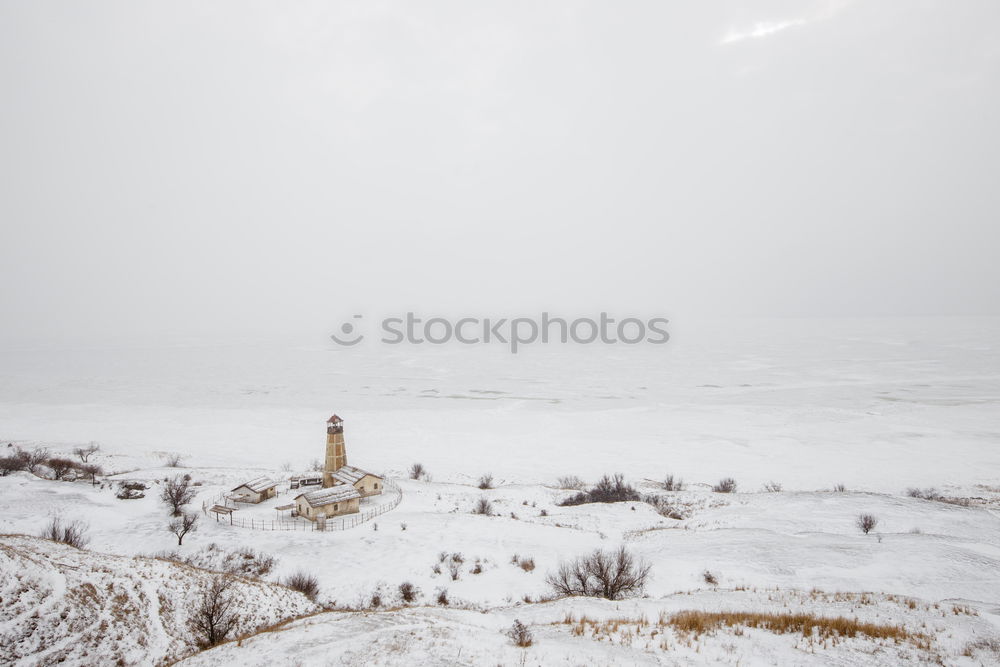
{"x": 635, "y": 632}
{"x": 62, "y": 605}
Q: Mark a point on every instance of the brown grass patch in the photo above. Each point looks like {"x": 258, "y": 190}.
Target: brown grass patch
{"x": 808, "y": 625}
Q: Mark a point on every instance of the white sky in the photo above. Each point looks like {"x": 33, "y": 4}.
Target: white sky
{"x": 200, "y": 167}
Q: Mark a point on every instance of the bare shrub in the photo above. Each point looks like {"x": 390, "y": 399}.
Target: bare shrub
{"x": 932, "y": 494}
{"x": 520, "y": 634}
{"x": 375, "y": 601}
{"x": 417, "y": 471}
{"x": 608, "y": 574}
{"x": 316, "y": 465}
{"x": 985, "y": 645}
{"x": 248, "y": 562}
{"x": 177, "y": 493}
{"x": 544, "y": 512}
{"x": 571, "y": 482}
{"x": 671, "y": 483}
{"x": 527, "y": 564}
{"x": 609, "y": 489}
{"x": 34, "y": 459}
{"x": 773, "y": 487}
{"x": 866, "y": 523}
{"x": 839, "y": 488}
{"x": 304, "y": 583}
{"x": 664, "y": 507}
{"x": 442, "y": 597}
{"x": 215, "y": 616}
{"x": 9, "y": 464}
{"x": 483, "y": 506}
{"x": 408, "y": 592}
{"x": 180, "y": 526}
{"x": 725, "y": 485}
{"x": 73, "y": 533}
{"x": 172, "y": 459}
{"x": 84, "y": 453}
{"x": 131, "y": 490}
{"x": 710, "y": 578}
{"x": 486, "y": 481}
{"x": 61, "y": 467}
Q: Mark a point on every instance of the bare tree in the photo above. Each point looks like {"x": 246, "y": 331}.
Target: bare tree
{"x": 85, "y": 452}
{"x": 866, "y": 523}
{"x": 773, "y": 487}
{"x": 177, "y": 493}
{"x": 608, "y": 574}
{"x": 215, "y": 616}
{"x": 417, "y": 471}
{"x": 73, "y": 533}
{"x": 180, "y": 526}
{"x": 92, "y": 470}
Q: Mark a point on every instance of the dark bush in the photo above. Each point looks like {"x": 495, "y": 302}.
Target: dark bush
{"x": 61, "y": 468}
{"x": 725, "y": 485}
{"x": 408, "y": 592}
{"x": 608, "y": 574}
{"x": 304, "y": 583}
{"x": 609, "y": 489}
{"x": 866, "y": 523}
{"x": 417, "y": 471}
{"x": 486, "y": 481}
{"x": 483, "y": 506}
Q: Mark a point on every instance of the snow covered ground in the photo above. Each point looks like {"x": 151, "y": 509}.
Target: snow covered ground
{"x": 877, "y": 406}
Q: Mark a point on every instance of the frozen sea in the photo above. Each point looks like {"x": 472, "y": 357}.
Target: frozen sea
{"x": 876, "y": 404}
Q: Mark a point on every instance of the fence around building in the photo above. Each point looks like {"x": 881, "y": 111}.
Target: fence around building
{"x": 344, "y": 522}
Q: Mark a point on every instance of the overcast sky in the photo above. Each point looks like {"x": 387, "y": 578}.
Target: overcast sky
{"x": 196, "y": 167}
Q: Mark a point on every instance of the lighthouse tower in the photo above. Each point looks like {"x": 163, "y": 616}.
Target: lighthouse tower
{"x": 336, "y": 454}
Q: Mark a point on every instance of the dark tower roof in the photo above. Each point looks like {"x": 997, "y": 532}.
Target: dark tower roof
{"x": 334, "y": 420}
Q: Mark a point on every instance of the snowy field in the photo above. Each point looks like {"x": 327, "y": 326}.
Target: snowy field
{"x": 877, "y": 406}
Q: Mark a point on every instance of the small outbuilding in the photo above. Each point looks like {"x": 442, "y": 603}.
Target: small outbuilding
{"x": 256, "y": 490}
{"x": 340, "y": 499}
{"x": 367, "y": 484}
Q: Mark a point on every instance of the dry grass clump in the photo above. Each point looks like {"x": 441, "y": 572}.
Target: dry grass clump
{"x": 808, "y": 625}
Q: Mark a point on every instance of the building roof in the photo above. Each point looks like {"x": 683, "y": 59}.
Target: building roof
{"x": 258, "y": 484}
{"x": 334, "y": 494}
{"x": 350, "y": 474}
{"x": 334, "y": 419}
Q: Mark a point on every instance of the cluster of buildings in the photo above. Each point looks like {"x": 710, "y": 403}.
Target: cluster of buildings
{"x": 341, "y": 489}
